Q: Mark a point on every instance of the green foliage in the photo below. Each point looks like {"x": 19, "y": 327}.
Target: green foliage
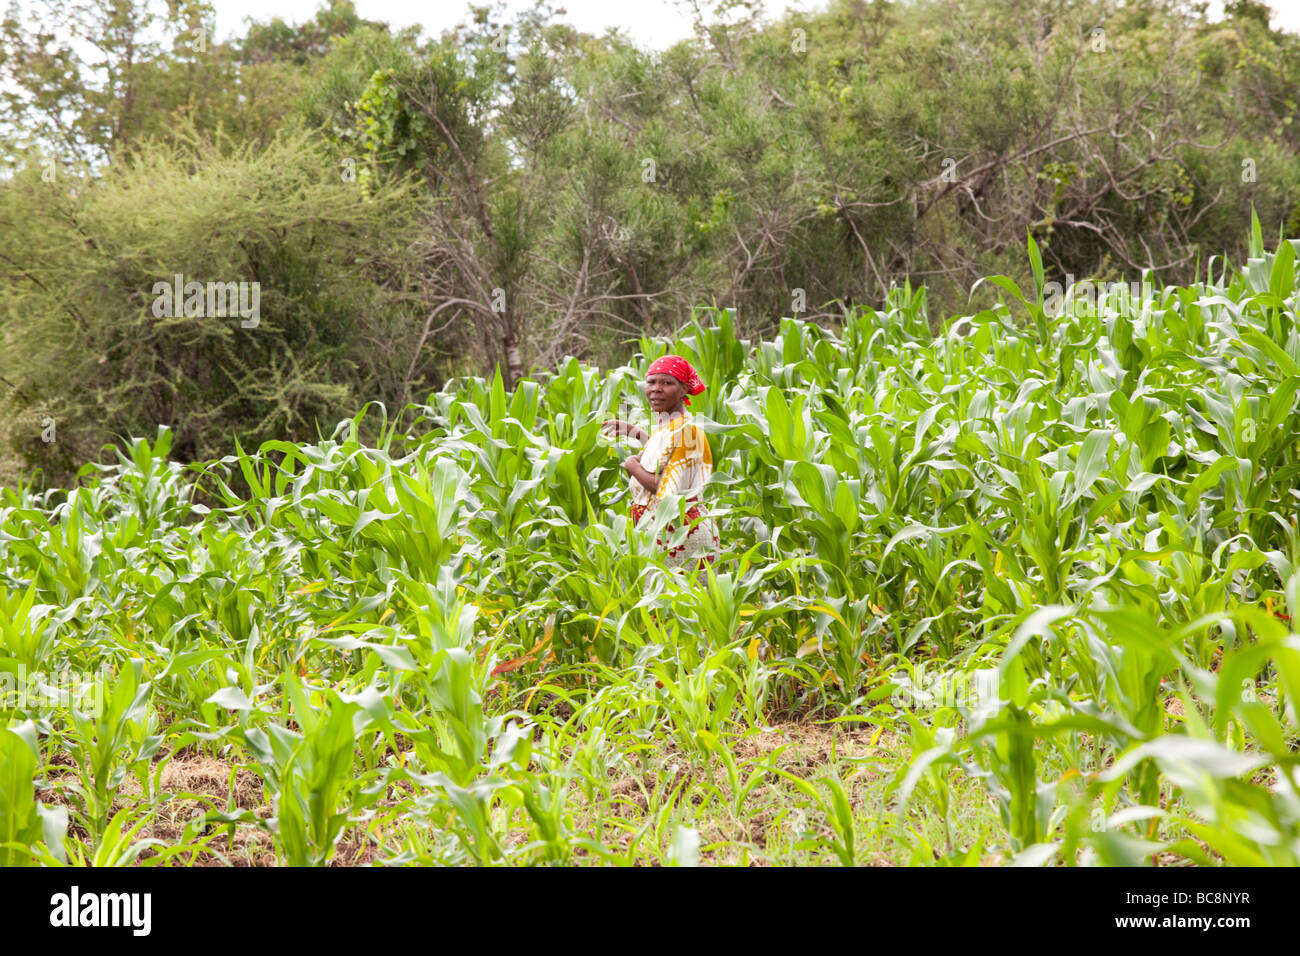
{"x": 437, "y": 638}
{"x": 85, "y": 303}
{"x": 564, "y": 194}
{"x": 1059, "y": 557}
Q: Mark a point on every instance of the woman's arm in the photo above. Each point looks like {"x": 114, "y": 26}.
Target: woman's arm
{"x": 638, "y": 471}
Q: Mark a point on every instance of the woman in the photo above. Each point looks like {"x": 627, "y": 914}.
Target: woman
{"x": 676, "y": 460}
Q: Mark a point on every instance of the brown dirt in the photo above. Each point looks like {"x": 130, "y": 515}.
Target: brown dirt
{"x": 355, "y": 850}
{"x": 188, "y": 777}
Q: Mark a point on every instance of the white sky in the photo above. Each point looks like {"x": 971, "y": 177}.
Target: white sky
{"x": 650, "y": 23}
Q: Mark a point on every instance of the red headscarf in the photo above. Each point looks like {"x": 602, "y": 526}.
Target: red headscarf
{"x": 680, "y": 369}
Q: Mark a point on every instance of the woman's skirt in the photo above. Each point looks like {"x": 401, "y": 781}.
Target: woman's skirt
{"x": 698, "y": 551}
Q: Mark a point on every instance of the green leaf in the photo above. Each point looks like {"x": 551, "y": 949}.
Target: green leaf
{"x": 1185, "y": 758}
{"x": 1091, "y": 462}
{"x": 1036, "y": 263}
{"x": 19, "y": 823}
{"x": 1276, "y": 353}
{"x": 232, "y": 698}
{"x": 1282, "y": 279}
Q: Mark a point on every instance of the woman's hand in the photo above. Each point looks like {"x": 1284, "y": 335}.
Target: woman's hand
{"x": 624, "y": 429}
{"x": 631, "y": 464}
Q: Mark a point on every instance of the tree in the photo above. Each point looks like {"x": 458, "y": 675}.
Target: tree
{"x": 94, "y": 338}
{"x": 84, "y": 79}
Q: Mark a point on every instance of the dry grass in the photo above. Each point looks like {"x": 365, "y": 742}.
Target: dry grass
{"x": 205, "y": 776}
{"x": 188, "y": 783}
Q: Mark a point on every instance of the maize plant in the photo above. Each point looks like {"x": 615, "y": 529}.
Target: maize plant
{"x": 434, "y": 635}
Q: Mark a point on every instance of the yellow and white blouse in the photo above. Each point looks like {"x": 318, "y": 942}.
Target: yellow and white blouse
{"x": 678, "y": 452}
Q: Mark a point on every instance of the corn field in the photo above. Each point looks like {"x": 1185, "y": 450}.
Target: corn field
{"x": 1031, "y": 577}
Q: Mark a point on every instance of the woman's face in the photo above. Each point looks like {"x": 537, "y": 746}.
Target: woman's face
{"x": 664, "y": 392}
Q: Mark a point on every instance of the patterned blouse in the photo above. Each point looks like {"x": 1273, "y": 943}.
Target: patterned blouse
{"x": 678, "y": 452}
